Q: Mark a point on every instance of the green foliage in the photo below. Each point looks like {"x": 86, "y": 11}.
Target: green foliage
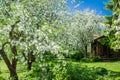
{"x": 93, "y": 59}
{"x": 77, "y": 55}
{"x": 86, "y": 60}
{"x": 76, "y": 72}
{"x": 113, "y": 23}
{"x": 1, "y": 78}
{"x": 96, "y": 59}
{"x": 0, "y": 58}
{"x": 104, "y": 41}
{"x": 101, "y": 71}
{"x": 51, "y": 70}
{"x": 112, "y": 73}
{"x": 0, "y": 71}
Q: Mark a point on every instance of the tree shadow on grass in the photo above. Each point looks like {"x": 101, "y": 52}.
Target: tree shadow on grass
{"x": 114, "y": 74}
{"x": 109, "y": 73}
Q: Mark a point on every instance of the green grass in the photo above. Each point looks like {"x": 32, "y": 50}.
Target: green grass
{"x": 112, "y": 66}
{"x": 4, "y": 70}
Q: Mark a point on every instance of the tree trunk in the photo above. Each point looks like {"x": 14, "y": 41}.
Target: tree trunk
{"x": 14, "y": 60}
{"x": 85, "y": 51}
{"x": 13, "y": 74}
{"x": 31, "y": 59}
{"x": 12, "y": 70}
{"x": 29, "y": 65}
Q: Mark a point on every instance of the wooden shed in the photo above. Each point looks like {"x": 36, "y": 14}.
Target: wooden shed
{"x": 104, "y": 51}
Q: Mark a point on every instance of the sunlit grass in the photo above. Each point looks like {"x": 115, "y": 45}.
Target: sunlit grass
{"x": 112, "y": 66}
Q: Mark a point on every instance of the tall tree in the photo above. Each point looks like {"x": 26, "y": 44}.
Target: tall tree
{"x": 113, "y": 23}
{"x": 79, "y": 33}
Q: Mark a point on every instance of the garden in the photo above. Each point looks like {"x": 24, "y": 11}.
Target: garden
{"x": 48, "y": 40}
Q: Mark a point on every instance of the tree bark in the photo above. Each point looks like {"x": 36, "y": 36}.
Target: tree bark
{"x": 14, "y": 60}
{"x": 85, "y": 51}
{"x": 31, "y": 59}
{"x": 13, "y": 74}
{"x": 29, "y": 65}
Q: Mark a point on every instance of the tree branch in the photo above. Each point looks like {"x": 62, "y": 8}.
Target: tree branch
{"x": 5, "y": 44}
{"x": 24, "y": 56}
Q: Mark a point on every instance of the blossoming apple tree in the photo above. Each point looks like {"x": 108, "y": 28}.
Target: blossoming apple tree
{"x": 23, "y": 31}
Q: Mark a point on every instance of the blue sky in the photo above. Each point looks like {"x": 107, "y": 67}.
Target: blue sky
{"x": 97, "y": 5}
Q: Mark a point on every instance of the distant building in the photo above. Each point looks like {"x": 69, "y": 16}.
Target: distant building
{"x": 104, "y": 51}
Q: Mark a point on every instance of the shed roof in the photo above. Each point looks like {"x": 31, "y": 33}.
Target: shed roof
{"x": 96, "y": 37}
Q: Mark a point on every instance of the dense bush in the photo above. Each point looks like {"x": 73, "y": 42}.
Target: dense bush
{"x": 51, "y": 71}
{"x": 86, "y": 60}
{"x": 101, "y": 71}
{"x": 0, "y": 58}
{"x": 77, "y": 55}
{"x": 72, "y": 71}
{"x": 76, "y": 72}
{"x": 93, "y": 59}
{"x": 96, "y": 59}
{"x": 1, "y": 78}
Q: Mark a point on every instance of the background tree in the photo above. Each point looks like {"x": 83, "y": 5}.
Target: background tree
{"x": 79, "y": 33}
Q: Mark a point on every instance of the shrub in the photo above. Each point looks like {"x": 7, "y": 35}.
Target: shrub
{"x": 96, "y": 59}
{"x": 51, "y": 71}
{"x": 77, "y": 55}
{"x": 0, "y": 58}
{"x": 86, "y": 60}
{"x": 72, "y": 71}
{"x": 77, "y": 72}
{"x": 1, "y": 78}
{"x": 101, "y": 71}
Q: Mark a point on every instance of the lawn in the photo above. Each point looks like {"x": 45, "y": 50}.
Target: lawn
{"x": 112, "y": 66}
